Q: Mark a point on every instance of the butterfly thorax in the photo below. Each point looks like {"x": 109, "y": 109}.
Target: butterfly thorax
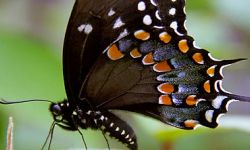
{"x": 73, "y": 117}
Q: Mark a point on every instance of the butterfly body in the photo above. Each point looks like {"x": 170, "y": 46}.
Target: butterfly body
{"x": 72, "y": 118}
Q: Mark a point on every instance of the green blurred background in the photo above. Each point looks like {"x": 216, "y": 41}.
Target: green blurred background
{"x": 31, "y": 39}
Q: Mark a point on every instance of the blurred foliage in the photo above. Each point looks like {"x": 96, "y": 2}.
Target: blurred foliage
{"x": 31, "y": 39}
{"x": 205, "y": 139}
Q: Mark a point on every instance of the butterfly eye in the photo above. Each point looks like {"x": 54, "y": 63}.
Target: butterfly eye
{"x": 56, "y": 109}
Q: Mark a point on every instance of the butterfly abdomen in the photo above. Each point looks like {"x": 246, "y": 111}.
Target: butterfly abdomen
{"x": 111, "y": 125}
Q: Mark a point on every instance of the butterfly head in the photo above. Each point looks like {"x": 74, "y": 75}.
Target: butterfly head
{"x": 62, "y": 113}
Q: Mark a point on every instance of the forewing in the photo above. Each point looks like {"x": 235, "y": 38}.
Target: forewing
{"x": 88, "y": 33}
{"x": 95, "y": 25}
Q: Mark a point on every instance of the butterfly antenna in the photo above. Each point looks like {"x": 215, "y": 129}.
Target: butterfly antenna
{"x": 2, "y": 101}
{"x": 106, "y": 140}
{"x": 85, "y": 145}
{"x": 49, "y": 136}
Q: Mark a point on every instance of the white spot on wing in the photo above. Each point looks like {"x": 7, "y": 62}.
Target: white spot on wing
{"x": 102, "y": 118}
{"x": 81, "y": 27}
{"x": 147, "y": 20}
{"x": 74, "y": 113}
{"x": 98, "y": 112}
{"x": 172, "y": 11}
{"x": 141, "y": 6}
{"x": 217, "y": 102}
{"x": 111, "y": 12}
{"x": 88, "y": 29}
{"x": 118, "y": 23}
{"x": 209, "y": 115}
{"x": 88, "y": 112}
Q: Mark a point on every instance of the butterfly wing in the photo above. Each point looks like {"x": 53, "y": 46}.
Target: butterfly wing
{"x": 138, "y": 57}
{"x": 171, "y": 87}
{"x": 93, "y": 25}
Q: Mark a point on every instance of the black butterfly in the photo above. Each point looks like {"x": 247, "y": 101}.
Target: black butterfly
{"x": 135, "y": 55}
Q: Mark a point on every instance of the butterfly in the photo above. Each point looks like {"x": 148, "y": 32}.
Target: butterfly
{"x": 136, "y": 56}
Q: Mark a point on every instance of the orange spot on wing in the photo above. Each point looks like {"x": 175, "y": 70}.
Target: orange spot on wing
{"x": 197, "y": 57}
{"x": 183, "y": 46}
{"x": 191, "y": 100}
{"x": 142, "y": 35}
{"x": 162, "y": 67}
{"x": 207, "y": 86}
{"x": 114, "y": 53}
{"x": 190, "y": 123}
{"x": 166, "y": 88}
{"x": 148, "y": 59}
{"x": 135, "y": 53}
{"x": 211, "y": 71}
{"x": 165, "y": 37}
{"x": 165, "y": 100}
